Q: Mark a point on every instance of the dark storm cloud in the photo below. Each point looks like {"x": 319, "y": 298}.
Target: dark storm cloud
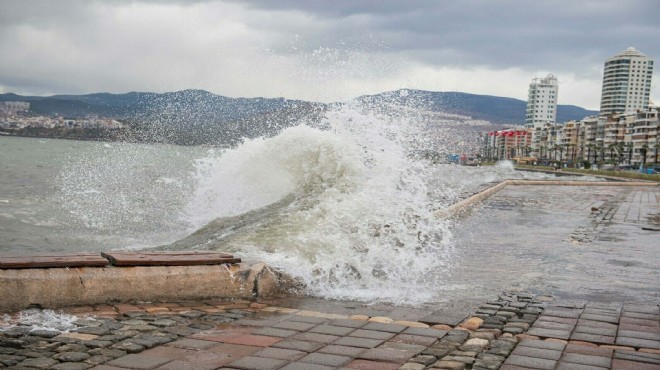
{"x": 500, "y": 34}
{"x": 317, "y": 50}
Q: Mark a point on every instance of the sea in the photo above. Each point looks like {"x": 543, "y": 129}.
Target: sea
{"x": 348, "y": 207}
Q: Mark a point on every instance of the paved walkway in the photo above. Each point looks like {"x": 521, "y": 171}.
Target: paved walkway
{"x": 514, "y": 331}
{"x": 593, "y": 244}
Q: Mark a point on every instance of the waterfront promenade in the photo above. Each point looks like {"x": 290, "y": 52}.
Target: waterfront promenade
{"x": 587, "y": 254}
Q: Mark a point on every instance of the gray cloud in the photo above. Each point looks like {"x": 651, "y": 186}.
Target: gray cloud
{"x": 317, "y": 50}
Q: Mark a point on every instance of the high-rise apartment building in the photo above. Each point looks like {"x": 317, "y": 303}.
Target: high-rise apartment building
{"x": 626, "y": 82}
{"x": 542, "y": 101}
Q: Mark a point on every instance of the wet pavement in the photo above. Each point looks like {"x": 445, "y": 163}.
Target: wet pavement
{"x": 578, "y": 265}
{"x": 590, "y": 242}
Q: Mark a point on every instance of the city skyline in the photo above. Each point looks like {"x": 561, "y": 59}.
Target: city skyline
{"x": 318, "y": 51}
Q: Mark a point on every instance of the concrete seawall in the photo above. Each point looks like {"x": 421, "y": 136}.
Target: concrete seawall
{"x": 61, "y": 287}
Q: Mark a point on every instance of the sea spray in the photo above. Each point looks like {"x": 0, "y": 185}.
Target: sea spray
{"x": 346, "y": 209}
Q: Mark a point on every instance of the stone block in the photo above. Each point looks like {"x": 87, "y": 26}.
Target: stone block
{"x": 315, "y": 337}
{"x": 358, "y": 342}
{"x": 332, "y": 330}
{"x": 577, "y": 358}
{"x": 594, "y": 338}
{"x": 326, "y": 359}
{"x": 371, "y": 365}
{"x": 549, "y": 333}
{"x": 537, "y": 353}
{"x": 389, "y": 328}
{"x": 139, "y": 361}
{"x": 530, "y": 362}
{"x": 387, "y": 355}
{"x": 257, "y": 363}
{"x": 638, "y": 342}
{"x": 334, "y": 349}
{"x": 542, "y": 344}
{"x": 280, "y": 353}
{"x": 371, "y": 334}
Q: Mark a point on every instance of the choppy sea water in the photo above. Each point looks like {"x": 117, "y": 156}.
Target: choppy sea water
{"x": 348, "y": 208}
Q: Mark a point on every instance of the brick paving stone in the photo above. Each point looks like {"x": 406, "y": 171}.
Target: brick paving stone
{"x": 214, "y": 358}
{"x": 387, "y": 355}
{"x": 326, "y": 359}
{"x": 358, "y": 342}
{"x": 597, "y": 351}
{"x": 307, "y": 319}
{"x": 294, "y": 325}
{"x": 331, "y": 330}
{"x": 582, "y": 359}
{"x": 602, "y": 311}
{"x": 416, "y": 348}
{"x": 646, "y": 329}
{"x": 140, "y": 361}
{"x": 248, "y": 340}
{"x": 371, "y": 365}
{"x": 414, "y": 339}
{"x": 315, "y": 337}
{"x": 434, "y": 319}
{"x": 638, "y": 334}
{"x": 371, "y": 334}
{"x": 553, "y": 325}
{"x": 349, "y": 323}
{"x": 565, "y": 320}
{"x": 547, "y": 354}
{"x": 334, "y": 349}
{"x": 275, "y": 332}
{"x": 542, "y": 344}
{"x": 640, "y": 322}
{"x": 300, "y": 345}
{"x": 562, "y": 312}
{"x": 257, "y": 363}
{"x": 633, "y": 307}
{"x": 188, "y": 343}
{"x": 178, "y": 365}
{"x": 610, "y": 332}
{"x": 169, "y": 352}
{"x": 427, "y": 332}
{"x": 531, "y": 362}
{"x": 550, "y": 333}
{"x": 639, "y": 315}
{"x": 280, "y": 353}
{"x": 638, "y": 356}
{"x": 594, "y": 338}
{"x": 390, "y": 328}
{"x": 572, "y": 366}
{"x": 447, "y": 364}
{"x": 235, "y": 350}
{"x": 250, "y": 322}
{"x": 596, "y": 324}
{"x": 602, "y": 318}
{"x": 631, "y": 365}
{"x": 513, "y": 367}
{"x": 412, "y": 366}
{"x": 637, "y": 342}
{"x": 306, "y": 366}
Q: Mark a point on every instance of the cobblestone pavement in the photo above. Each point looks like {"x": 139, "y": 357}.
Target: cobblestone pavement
{"x": 587, "y": 244}
{"x": 514, "y": 331}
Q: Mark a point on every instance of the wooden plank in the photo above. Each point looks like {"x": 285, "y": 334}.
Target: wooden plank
{"x": 53, "y": 260}
{"x": 175, "y": 258}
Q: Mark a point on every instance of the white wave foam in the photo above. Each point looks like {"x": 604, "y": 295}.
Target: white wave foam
{"x": 362, "y": 227}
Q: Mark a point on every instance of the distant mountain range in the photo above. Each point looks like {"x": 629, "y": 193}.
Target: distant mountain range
{"x": 199, "y": 117}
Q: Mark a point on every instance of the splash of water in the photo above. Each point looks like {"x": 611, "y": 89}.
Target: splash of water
{"x": 37, "y": 319}
{"x": 348, "y": 210}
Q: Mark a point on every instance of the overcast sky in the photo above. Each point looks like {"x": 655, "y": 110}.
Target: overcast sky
{"x": 324, "y": 50}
